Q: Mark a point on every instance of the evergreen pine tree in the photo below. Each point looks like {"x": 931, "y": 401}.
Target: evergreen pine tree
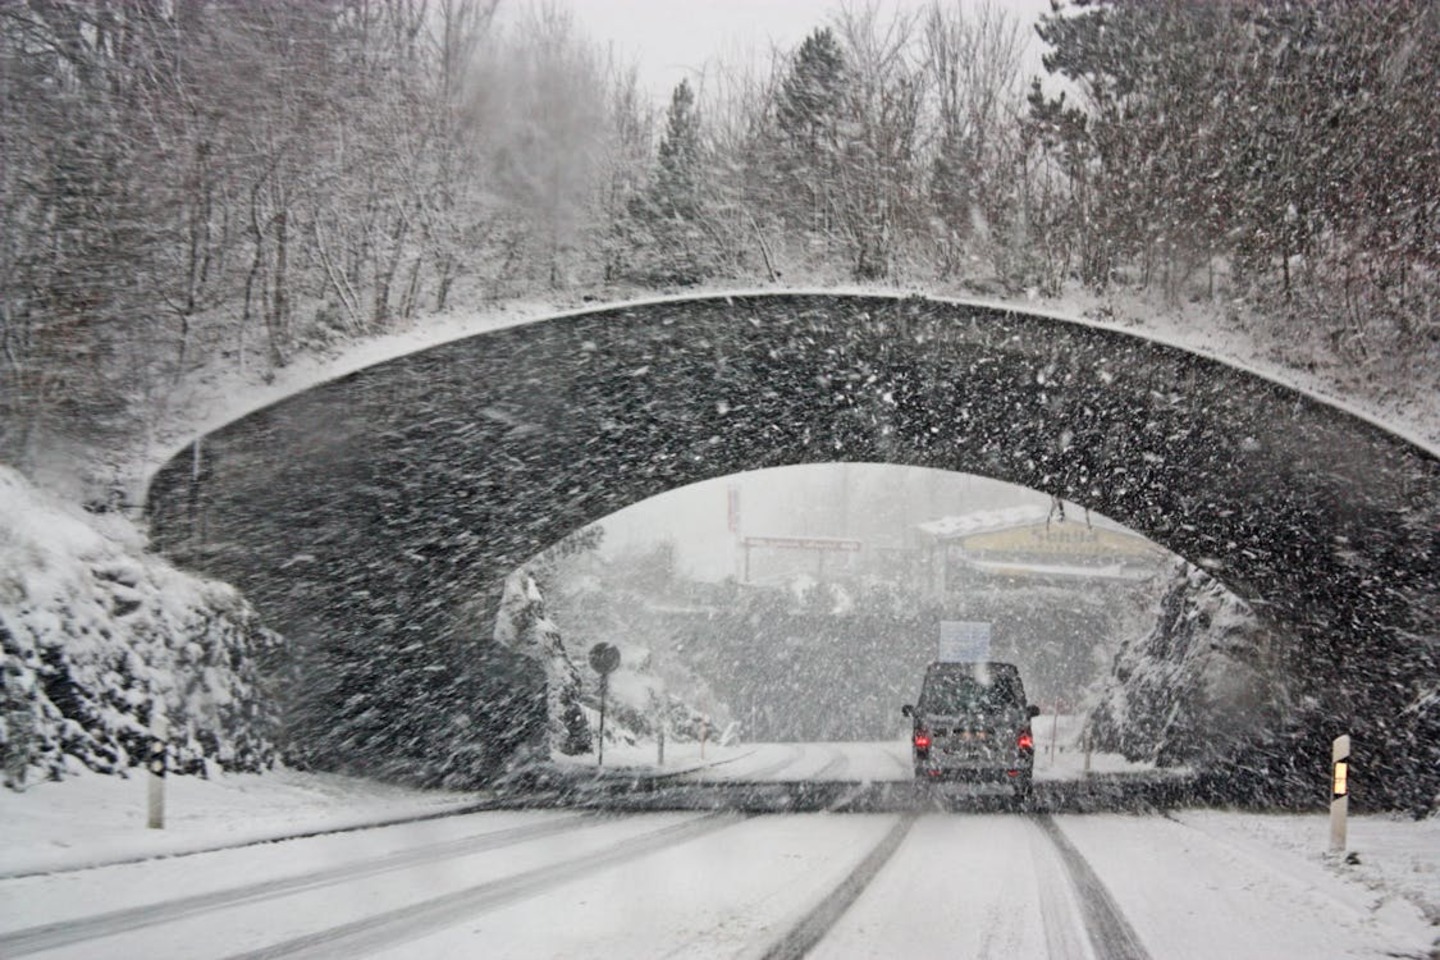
{"x": 812, "y": 96}
{"x": 808, "y": 115}
{"x": 676, "y": 194}
{"x": 673, "y": 244}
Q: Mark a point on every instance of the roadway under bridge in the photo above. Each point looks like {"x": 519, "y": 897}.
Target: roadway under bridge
{"x": 370, "y": 517}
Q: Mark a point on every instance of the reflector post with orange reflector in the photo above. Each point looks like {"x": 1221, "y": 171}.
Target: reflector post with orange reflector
{"x": 1339, "y": 791}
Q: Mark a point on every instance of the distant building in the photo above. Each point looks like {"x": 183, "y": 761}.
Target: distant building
{"x": 1031, "y": 544}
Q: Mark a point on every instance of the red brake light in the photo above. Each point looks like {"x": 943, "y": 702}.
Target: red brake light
{"x": 922, "y": 740}
{"x": 1027, "y": 742}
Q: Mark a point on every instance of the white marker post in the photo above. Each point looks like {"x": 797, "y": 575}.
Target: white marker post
{"x": 1054, "y": 730}
{"x": 160, "y": 731}
{"x": 1339, "y": 791}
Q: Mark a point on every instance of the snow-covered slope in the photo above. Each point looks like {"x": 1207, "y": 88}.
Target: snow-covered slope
{"x": 100, "y": 637}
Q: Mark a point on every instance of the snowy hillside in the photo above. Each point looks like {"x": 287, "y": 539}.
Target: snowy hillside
{"x": 97, "y": 634}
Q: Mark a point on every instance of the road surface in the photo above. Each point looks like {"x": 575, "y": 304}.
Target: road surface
{"x": 564, "y": 883}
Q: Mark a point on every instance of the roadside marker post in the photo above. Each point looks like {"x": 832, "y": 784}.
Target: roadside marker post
{"x": 1339, "y": 791}
{"x": 1054, "y": 729}
{"x": 160, "y": 731}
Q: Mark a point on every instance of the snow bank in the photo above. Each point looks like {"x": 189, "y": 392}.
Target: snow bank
{"x": 98, "y": 638}
{"x": 90, "y": 819}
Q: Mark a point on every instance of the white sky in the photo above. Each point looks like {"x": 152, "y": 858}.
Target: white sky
{"x": 673, "y": 39}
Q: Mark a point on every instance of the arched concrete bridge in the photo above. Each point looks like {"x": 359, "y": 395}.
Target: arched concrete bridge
{"x": 362, "y": 515}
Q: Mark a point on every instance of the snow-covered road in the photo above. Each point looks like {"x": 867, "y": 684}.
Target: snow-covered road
{"x": 561, "y": 883}
{"x": 557, "y": 884}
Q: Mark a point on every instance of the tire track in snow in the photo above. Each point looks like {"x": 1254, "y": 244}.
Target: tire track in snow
{"x": 794, "y": 753}
{"x": 1110, "y": 933}
{"x": 833, "y": 767}
{"x": 815, "y": 924}
{"x": 906, "y": 766}
{"x": 1065, "y": 935}
{"x": 48, "y": 936}
{"x": 417, "y": 920}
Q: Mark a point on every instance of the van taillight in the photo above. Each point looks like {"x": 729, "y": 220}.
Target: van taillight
{"x": 922, "y": 740}
{"x": 1027, "y": 742}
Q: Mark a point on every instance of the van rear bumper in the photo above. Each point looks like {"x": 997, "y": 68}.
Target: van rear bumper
{"x": 929, "y": 771}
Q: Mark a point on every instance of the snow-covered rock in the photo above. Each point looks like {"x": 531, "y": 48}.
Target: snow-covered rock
{"x": 99, "y": 638}
{"x": 1193, "y": 686}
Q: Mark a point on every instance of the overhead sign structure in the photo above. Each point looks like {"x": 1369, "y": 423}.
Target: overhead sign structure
{"x": 964, "y": 641}
{"x": 821, "y": 546}
{"x": 804, "y": 543}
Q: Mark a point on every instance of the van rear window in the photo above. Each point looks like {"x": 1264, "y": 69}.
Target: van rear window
{"x": 960, "y": 693}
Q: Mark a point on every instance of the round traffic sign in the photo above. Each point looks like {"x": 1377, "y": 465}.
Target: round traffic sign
{"x": 604, "y": 658}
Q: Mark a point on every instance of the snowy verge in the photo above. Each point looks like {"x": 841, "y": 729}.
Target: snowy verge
{"x": 1394, "y": 857}
{"x": 92, "y": 820}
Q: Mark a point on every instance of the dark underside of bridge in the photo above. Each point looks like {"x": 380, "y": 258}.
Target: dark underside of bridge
{"x": 369, "y": 518}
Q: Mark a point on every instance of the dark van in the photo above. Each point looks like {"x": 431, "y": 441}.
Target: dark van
{"x": 972, "y": 723}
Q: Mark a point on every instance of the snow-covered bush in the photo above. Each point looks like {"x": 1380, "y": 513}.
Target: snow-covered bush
{"x": 521, "y": 625}
{"x": 1195, "y": 685}
{"x": 99, "y": 636}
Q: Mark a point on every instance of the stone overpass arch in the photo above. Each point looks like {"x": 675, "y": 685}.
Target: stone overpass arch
{"x": 364, "y": 512}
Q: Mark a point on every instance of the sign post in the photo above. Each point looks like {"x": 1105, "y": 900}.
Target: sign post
{"x": 820, "y": 545}
{"x": 604, "y": 658}
{"x": 1339, "y": 791}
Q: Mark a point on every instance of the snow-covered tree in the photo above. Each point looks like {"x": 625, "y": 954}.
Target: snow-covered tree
{"x": 521, "y": 625}
{"x": 671, "y": 238}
